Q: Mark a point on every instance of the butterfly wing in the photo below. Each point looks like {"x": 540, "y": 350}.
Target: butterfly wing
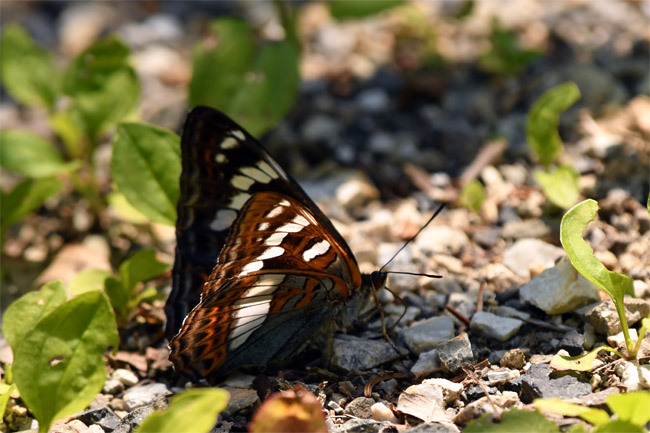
{"x": 223, "y": 166}
{"x": 279, "y": 278}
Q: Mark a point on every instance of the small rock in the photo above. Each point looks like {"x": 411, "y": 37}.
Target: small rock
{"x": 618, "y": 340}
{"x": 102, "y": 416}
{"x": 572, "y": 342}
{"x": 644, "y": 375}
{"x": 381, "y": 412}
{"x": 442, "y": 239}
{"x": 504, "y": 311}
{"x": 501, "y": 377}
{"x": 389, "y": 387}
{"x": 450, "y": 390}
{"x": 320, "y": 128}
{"x": 133, "y": 419}
{"x": 78, "y": 426}
{"x": 433, "y": 427}
{"x": 127, "y": 377}
{"x": 427, "y": 364}
{"x": 427, "y": 334}
{"x": 485, "y": 405}
{"x": 113, "y": 387}
{"x": 361, "y": 407}
{"x": 534, "y": 228}
{"x": 356, "y": 191}
{"x": 240, "y": 399}
{"x": 496, "y": 356}
{"x": 629, "y": 374}
{"x": 95, "y": 429}
{"x": 525, "y": 254}
{"x": 373, "y": 100}
{"x": 454, "y": 353}
{"x": 559, "y": 290}
{"x": 604, "y": 318}
{"x": 590, "y": 336}
{"x": 513, "y": 358}
{"x": 475, "y": 392}
{"x": 537, "y": 383}
{"x": 144, "y": 395}
{"x": 501, "y": 328}
{"x": 463, "y": 302}
{"x": 358, "y": 353}
{"x": 357, "y": 425}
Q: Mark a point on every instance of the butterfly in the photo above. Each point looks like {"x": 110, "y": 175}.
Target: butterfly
{"x": 259, "y": 269}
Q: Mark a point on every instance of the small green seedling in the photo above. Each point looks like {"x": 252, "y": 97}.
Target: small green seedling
{"x": 505, "y": 57}
{"x": 101, "y": 89}
{"x": 192, "y": 411}
{"x": 583, "y": 260}
{"x": 255, "y": 84}
{"x": 58, "y": 348}
{"x": 122, "y": 290}
{"x": 631, "y": 410}
{"x": 472, "y": 195}
{"x": 512, "y": 421}
{"x": 560, "y": 185}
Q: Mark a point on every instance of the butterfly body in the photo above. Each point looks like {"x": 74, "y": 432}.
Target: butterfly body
{"x": 259, "y": 269}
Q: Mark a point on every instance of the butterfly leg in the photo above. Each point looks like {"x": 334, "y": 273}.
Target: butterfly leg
{"x": 384, "y": 331}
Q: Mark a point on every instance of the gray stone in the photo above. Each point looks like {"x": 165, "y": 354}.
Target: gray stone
{"x": 144, "y": 395}
{"x": 103, "y": 416}
{"x": 320, "y": 128}
{"x": 537, "y": 383}
{"x": 501, "y": 328}
{"x": 560, "y": 289}
{"x": 240, "y": 399}
{"x": 131, "y": 421}
{"x": 603, "y": 317}
{"x": 442, "y": 239}
{"x": 525, "y": 229}
{"x": 463, "y": 302}
{"x": 505, "y": 311}
{"x": 525, "y": 254}
{"x": 427, "y": 334}
{"x": 357, "y": 425}
{"x": 450, "y": 390}
{"x": 502, "y": 376}
{"x": 433, "y": 427}
{"x": 358, "y": 353}
{"x": 373, "y": 100}
{"x": 572, "y": 342}
{"x": 361, "y": 407}
{"x": 454, "y": 353}
{"x": 113, "y": 387}
{"x": 427, "y": 364}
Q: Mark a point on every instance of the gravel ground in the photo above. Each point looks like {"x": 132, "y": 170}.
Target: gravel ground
{"x": 378, "y": 137}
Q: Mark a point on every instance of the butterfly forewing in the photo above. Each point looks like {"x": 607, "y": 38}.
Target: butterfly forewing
{"x": 223, "y": 166}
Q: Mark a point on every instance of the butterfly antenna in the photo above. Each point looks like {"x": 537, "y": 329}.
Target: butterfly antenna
{"x": 435, "y": 214}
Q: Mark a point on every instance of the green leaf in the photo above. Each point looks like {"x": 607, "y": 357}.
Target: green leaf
{"x": 192, "y": 411}
{"x": 88, "y": 281}
{"x": 69, "y": 128}
{"x": 59, "y": 366}
{"x": 543, "y": 120}
{"x": 515, "y": 421}
{"x": 556, "y": 405}
{"x": 146, "y": 166}
{"x": 24, "y": 198}
{"x": 505, "y": 56}
{"x": 560, "y": 186}
{"x": 631, "y": 407}
{"x": 575, "y": 363}
{"x": 255, "y": 87}
{"x": 619, "y": 426}
{"x": 124, "y": 209}
{"x": 103, "y": 85}
{"x": 268, "y": 90}
{"x": 472, "y": 195}
{"x": 582, "y": 256}
{"x": 23, "y": 314}
{"x": 141, "y": 266}
{"x": 27, "y": 70}
{"x": 344, "y": 9}
{"x": 118, "y": 296}
{"x": 31, "y": 155}
{"x": 220, "y": 63}
{"x": 5, "y": 393}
